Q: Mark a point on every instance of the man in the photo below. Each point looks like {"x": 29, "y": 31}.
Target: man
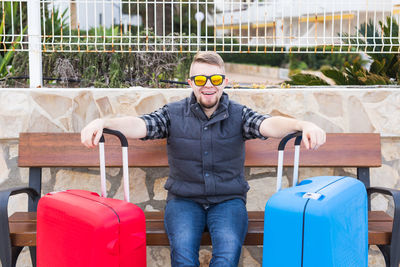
{"x": 206, "y": 187}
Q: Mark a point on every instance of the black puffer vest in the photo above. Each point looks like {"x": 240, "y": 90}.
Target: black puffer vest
{"x": 206, "y": 156}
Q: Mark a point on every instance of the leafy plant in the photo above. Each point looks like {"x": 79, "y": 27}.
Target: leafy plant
{"x": 8, "y": 56}
{"x": 306, "y": 79}
{"x": 55, "y": 22}
{"x": 385, "y": 68}
{"x": 14, "y": 16}
{"x": 355, "y": 74}
{"x": 315, "y": 61}
{"x": 11, "y": 23}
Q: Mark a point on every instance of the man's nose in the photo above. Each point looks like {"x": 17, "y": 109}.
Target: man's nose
{"x": 208, "y": 83}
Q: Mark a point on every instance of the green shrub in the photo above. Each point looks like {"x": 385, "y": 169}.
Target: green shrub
{"x": 316, "y": 61}
{"x": 114, "y": 70}
{"x": 263, "y": 59}
{"x": 385, "y": 68}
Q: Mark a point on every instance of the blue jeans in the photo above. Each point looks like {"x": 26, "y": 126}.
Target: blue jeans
{"x": 185, "y": 221}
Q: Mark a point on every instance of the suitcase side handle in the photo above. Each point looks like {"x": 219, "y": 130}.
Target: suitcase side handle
{"x": 281, "y": 148}
{"x": 125, "y": 168}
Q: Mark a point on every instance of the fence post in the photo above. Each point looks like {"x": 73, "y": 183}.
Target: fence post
{"x": 35, "y": 52}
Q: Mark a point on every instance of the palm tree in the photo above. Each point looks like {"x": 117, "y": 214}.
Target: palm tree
{"x": 163, "y": 18}
{"x": 163, "y": 15}
{"x": 74, "y": 18}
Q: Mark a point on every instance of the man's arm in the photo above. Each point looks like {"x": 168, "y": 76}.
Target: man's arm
{"x": 131, "y": 127}
{"x": 278, "y": 127}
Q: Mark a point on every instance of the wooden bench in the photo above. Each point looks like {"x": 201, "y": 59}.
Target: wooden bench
{"x": 39, "y": 150}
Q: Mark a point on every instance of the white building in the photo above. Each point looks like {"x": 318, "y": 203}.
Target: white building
{"x": 295, "y": 22}
{"x": 95, "y": 13}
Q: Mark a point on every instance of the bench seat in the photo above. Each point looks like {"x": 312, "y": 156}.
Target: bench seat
{"x": 23, "y": 229}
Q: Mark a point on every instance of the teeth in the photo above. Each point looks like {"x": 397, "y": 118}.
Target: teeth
{"x": 204, "y": 93}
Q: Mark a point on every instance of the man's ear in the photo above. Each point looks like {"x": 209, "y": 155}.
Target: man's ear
{"x": 226, "y": 81}
{"x": 189, "y": 82}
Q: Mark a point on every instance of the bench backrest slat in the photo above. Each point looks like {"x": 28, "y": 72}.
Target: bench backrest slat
{"x": 66, "y": 150}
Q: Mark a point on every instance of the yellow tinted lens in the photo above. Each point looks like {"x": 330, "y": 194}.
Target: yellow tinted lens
{"x": 200, "y": 80}
{"x": 216, "y": 79}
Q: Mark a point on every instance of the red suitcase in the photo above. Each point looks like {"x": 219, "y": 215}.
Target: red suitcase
{"x": 80, "y": 228}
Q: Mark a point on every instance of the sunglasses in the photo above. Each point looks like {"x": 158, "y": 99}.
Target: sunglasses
{"x": 201, "y": 80}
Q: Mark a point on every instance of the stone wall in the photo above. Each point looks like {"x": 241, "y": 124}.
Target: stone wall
{"x": 68, "y": 110}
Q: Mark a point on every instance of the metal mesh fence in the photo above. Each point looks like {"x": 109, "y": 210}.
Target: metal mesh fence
{"x": 13, "y": 25}
{"x": 271, "y": 26}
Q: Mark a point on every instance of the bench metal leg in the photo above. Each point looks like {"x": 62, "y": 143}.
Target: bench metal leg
{"x": 385, "y": 250}
{"x": 364, "y": 177}
{"x": 8, "y": 253}
{"x": 391, "y": 252}
{"x": 15, "y": 253}
{"x": 391, "y": 259}
{"x": 11, "y": 260}
{"x": 32, "y": 251}
{"x": 35, "y": 182}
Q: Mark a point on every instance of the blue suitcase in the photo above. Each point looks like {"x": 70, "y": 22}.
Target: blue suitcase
{"x": 321, "y": 221}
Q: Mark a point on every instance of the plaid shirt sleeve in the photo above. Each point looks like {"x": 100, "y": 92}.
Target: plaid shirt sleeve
{"x": 157, "y": 124}
{"x": 251, "y": 124}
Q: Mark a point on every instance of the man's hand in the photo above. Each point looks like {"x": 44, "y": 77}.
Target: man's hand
{"x": 313, "y": 136}
{"x": 91, "y": 134}
{"x": 131, "y": 127}
{"x": 279, "y": 127}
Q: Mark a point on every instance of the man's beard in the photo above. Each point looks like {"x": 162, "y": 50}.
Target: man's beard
{"x": 209, "y": 106}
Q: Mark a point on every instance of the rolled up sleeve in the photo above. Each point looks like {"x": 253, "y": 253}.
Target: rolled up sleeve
{"x": 251, "y": 124}
{"x": 157, "y": 124}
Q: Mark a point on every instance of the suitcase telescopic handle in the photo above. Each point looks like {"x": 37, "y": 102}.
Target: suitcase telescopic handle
{"x": 281, "y": 148}
{"x": 122, "y": 138}
{"x": 125, "y": 168}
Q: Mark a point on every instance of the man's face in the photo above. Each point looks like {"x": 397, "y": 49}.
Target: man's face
{"x": 207, "y": 95}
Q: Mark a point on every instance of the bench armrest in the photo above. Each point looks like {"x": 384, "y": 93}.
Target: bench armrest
{"x": 5, "y": 242}
{"x": 395, "y": 240}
